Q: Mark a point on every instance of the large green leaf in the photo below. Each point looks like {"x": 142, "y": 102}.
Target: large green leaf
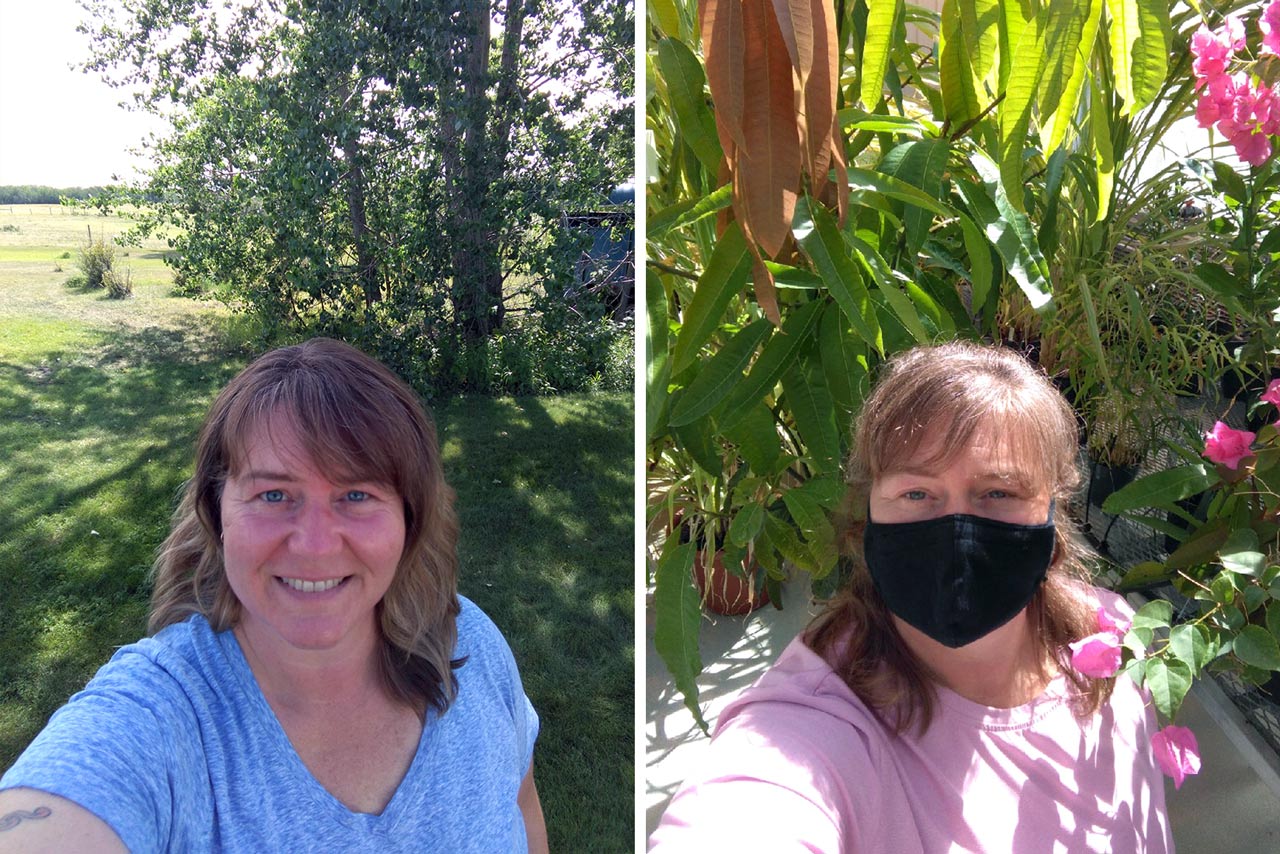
{"x": 1168, "y": 681}
{"x": 814, "y": 415}
{"x": 720, "y": 374}
{"x": 756, "y": 436}
{"x": 1103, "y": 149}
{"x": 852, "y": 118}
{"x": 884, "y": 277}
{"x": 724, "y": 277}
{"x": 1067, "y": 63}
{"x": 676, "y": 616}
{"x": 777, "y": 356}
{"x": 1140, "y": 36}
{"x": 845, "y": 365}
{"x": 920, "y": 163}
{"x": 1009, "y": 231}
{"x": 882, "y": 16}
{"x": 657, "y": 366}
{"x": 820, "y": 239}
{"x": 1257, "y": 647}
{"x": 1162, "y": 488}
{"x": 1202, "y": 546}
{"x": 1015, "y": 111}
{"x": 968, "y": 38}
{"x": 687, "y": 212}
{"x": 686, "y": 84}
{"x": 871, "y": 181}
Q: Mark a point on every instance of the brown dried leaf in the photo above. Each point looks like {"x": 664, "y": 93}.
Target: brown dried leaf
{"x": 723, "y": 50}
{"x": 819, "y": 93}
{"x": 795, "y": 22}
{"x": 767, "y": 166}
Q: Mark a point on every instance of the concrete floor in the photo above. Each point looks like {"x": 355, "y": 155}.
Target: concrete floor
{"x": 1231, "y": 807}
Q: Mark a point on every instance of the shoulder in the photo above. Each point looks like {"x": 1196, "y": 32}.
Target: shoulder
{"x": 803, "y": 709}
{"x": 797, "y": 742}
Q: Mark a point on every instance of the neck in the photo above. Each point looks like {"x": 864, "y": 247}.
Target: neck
{"x": 307, "y": 681}
{"x": 1003, "y": 669}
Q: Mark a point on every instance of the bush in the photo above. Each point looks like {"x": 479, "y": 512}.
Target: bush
{"x": 119, "y": 284}
{"x": 94, "y": 261}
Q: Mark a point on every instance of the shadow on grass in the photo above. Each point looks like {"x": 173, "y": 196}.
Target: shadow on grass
{"x": 95, "y": 445}
{"x": 545, "y": 504}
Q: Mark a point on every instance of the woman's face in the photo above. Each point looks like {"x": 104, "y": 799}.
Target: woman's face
{"x": 308, "y": 555}
{"x": 985, "y": 479}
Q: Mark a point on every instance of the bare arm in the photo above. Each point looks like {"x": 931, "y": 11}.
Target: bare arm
{"x": 534, "y": 826}
{"x": 36, "y": 822}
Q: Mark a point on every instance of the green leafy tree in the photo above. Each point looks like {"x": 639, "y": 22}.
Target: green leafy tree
{"x": 378, "y": 165}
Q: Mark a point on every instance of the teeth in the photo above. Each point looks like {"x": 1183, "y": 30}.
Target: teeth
{"x": 312, "y": 586}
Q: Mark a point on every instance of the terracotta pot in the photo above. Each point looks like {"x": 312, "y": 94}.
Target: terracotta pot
{"x": 728, "y": 594}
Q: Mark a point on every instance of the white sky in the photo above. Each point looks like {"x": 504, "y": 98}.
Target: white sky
{"x": 59, "y": 127}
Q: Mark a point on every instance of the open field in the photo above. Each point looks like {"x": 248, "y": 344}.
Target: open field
{"x": 101, "y": 400}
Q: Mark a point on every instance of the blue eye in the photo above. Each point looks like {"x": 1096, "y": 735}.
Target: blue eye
{"x": 357, "y": 495}
{"x": 915, "y": 495}
{"x": 272, "y": 496}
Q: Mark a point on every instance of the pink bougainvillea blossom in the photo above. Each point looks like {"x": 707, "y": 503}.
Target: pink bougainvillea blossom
{"x": 1211, "y": 54}
{"x": 1272, "y": 394}
{"x": 1226, "y": 445}
{"x": 1269, "y": 24}
{"x": 1253, "y": 148}
{"x": 1098, "y": 655}
{"x": 1176, "y": 752}
{"x": 1120, "y": 627}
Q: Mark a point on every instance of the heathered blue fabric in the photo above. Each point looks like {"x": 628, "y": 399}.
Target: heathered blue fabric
{"x": 173, "y": 745}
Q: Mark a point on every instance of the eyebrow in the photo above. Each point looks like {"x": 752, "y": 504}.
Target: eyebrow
{"x": 268, "y": 475}
{"x": 1015, "y": 476}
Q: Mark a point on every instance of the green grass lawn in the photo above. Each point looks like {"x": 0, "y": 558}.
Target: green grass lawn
{"x": 101, "y": 402}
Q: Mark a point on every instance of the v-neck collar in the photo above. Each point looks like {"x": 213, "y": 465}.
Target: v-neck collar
{"x": 321, "y": 797}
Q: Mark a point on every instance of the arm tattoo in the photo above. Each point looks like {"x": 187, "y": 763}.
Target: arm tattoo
{"x": 13, "y": 819}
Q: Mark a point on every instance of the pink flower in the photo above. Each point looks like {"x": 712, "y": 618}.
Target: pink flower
{"x": 1107, "y": 623}
{"x": 1227, "y": 446}
{"x": 1269, "y": 24}
{"x": 1211, "y": 53}
{"x": 1253, "y": 149}
{"x": 1272, "y": 394}
{"x": 1176, "y": 752}
{"x": 1098, "y": 655}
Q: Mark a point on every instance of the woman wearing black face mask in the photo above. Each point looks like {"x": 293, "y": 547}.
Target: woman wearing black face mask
{"x": 932, "y": 706}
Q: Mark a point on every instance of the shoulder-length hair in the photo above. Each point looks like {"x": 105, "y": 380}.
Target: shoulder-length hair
{"x": 950, "y": 392}
{"x": 360, "y": 422}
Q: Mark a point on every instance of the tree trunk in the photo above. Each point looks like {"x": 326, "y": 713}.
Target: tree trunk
{"x": 474, "y": 160}
{"x": 366, "y": 260}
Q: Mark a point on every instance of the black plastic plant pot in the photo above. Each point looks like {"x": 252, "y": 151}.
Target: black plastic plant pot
{"x": 1105, "y": 479}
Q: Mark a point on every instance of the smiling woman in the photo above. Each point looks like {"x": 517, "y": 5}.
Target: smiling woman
{"x": 313, "y": 681}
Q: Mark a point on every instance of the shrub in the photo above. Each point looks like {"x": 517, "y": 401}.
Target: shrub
{"x": 65, "y": 255}
{"x": 119, "y": 283}
{"x": 11, "y": 228}
{"x": 95, "y": 260}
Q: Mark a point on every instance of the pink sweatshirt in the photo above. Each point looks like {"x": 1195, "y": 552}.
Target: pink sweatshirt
{"x": 798, "y": 763}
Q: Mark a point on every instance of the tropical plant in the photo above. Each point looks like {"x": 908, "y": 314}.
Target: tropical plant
{"x": 829, "y": 192}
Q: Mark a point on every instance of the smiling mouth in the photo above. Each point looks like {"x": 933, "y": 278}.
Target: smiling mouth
{"x": 303, "y": 586}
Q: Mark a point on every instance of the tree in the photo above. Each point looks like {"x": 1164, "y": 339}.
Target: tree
{"x": 347, "y": 165}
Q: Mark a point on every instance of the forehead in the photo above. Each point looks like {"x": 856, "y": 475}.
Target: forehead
{"x": 275, "y": 442}
{"x": 991, "y": 450}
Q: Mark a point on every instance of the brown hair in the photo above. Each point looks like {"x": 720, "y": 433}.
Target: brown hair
{"x": 952, "y": 391}
{"x": 360, "y": 421}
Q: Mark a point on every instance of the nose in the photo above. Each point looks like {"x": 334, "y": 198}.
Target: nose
{"x": 317, "y": 531}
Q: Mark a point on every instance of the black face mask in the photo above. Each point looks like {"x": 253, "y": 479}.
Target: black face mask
{"x": 957, "y": 578}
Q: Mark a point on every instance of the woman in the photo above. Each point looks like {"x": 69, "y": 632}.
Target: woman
{"x": 932, "y": 706}
{"x": 313, "y": 681}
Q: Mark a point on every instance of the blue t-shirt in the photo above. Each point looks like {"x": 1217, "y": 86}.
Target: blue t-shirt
{"x": 173, "y": 745}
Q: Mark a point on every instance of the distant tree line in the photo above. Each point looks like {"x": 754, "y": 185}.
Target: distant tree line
{"x": 32, "y": 194}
